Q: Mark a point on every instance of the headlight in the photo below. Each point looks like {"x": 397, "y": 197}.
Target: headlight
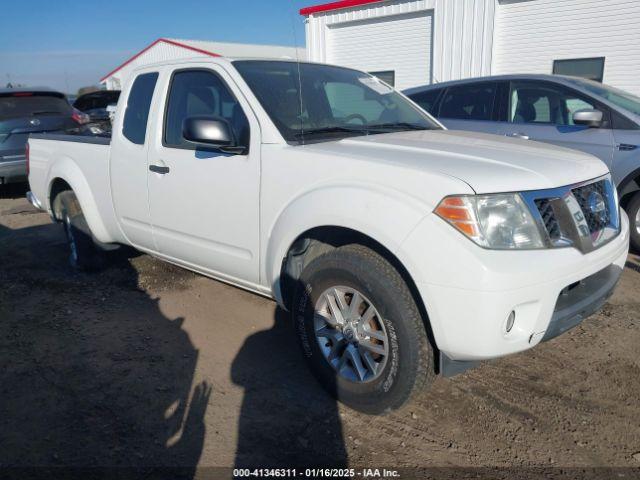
{"x": 500, "y": 221}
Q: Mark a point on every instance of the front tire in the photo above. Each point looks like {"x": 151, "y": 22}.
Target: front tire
{"x": 361, "y": 331}
{"x": 633, "y": 211}
{"x": 83, "y": 252}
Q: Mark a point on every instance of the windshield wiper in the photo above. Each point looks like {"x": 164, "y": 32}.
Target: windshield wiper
{"x": 397, "y": 126}
{"x": 334, "y": 129}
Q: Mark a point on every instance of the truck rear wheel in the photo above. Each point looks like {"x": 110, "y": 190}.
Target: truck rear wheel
{"x": 361, "y": 330}
{"x": 84, "y": 254}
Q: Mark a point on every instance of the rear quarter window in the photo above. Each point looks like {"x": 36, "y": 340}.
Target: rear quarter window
{"x": 427, "y": 100}
{"x": 134, "y": 126}
{"x": 469, "y": 102}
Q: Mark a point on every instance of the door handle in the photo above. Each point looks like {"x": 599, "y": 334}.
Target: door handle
{"x": 159, "y": 169}
{"x": 518, "y": 135}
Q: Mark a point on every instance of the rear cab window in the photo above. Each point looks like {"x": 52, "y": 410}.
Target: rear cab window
{"x": 32, "y": 104}
{"x": 134, "y": 126}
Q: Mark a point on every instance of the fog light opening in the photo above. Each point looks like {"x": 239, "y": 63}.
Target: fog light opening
{"x": 510, "y": 321}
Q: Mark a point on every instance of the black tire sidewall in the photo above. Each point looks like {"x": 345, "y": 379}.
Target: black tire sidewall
{"x": 632, "y": 210}
{"x": 88, "y": 256}
{"x": 397, "y": 380}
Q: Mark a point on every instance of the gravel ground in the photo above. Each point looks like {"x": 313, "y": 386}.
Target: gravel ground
{"x": 146, "y": 365}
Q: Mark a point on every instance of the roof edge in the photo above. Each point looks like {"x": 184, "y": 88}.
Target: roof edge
{"x": 159, "y": 40}
{"x": 339, "y": 5}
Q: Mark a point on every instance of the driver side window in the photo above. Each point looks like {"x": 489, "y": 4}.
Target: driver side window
{"x": 201, "y": 93}
{"x": 542, "y": 103}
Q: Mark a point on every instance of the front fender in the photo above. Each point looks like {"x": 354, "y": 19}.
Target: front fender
{"x": 385, "y": 215}
{"x": 66, "y": 169}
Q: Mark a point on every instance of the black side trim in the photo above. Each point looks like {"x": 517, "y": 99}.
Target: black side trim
{"x": 72, "y": 138}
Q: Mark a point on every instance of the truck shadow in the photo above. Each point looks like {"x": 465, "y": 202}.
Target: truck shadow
{"x": 286, "y": 419}
{"x": 93, "y": 375}
{"x": 96, "y": 382}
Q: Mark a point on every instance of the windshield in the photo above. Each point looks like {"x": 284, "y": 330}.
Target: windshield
{"x": 311, "y": 103}
{"x": 618, "y": 97}
{"x": 27, "y": 104}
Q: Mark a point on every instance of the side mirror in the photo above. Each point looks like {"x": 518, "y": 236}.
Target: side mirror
{"x": 588, "y": 118}
{"x": 214, "y": 131}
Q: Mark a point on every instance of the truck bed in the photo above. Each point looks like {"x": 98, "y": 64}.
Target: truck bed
{"x": 83, "y": 162}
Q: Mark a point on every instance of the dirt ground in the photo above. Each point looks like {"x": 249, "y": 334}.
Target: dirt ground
{"x": 147, "y": 365}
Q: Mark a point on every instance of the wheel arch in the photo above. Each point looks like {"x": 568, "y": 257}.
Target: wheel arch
{"x": 628, "y": 186}
{"x": 317, "y": 240}
{"x": 66, "y": 175}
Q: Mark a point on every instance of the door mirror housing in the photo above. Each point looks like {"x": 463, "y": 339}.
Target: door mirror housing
{"x": 214, "y": 131}
{"x": 588, "y": 118}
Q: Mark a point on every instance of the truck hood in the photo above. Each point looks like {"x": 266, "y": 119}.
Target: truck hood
{"x": 487, "y": 163}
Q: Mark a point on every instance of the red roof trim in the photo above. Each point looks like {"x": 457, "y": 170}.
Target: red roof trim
{"x": 327, "y": 7}
{"x": 163, "y": 40}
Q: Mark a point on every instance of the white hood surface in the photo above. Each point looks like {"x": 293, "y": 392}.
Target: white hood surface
{"x": 487, "y": 163}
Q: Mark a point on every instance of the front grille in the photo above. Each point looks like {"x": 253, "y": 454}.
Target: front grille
{"x": 549, "y": 218}
{"x": 583, "y": 216}
{"x": 592, "y": 199}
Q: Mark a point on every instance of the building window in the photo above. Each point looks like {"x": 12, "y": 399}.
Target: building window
{"x": 590, "y": 68}
{"x": 387, "y": 76}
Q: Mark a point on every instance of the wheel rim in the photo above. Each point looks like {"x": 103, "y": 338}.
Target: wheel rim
{"x": 71, "y": 239}
{"x": 351, "y": 334}
{"x": 638, "y": 221}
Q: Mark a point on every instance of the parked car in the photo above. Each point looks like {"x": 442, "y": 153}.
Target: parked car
{"x": 95, "y": 104}
{"x": 392, "y": 241}
{"x": 567, "y": 111}
{"x": 30, "y": 110}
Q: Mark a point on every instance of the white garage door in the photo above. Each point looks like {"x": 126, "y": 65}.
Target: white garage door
{"x": 400, "y": 44}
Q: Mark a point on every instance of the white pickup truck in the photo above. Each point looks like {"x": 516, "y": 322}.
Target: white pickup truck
{"x": 401, "y": 249}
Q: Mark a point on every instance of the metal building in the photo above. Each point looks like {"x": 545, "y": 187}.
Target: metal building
{"x": 414, "y": 42}
{"x": 169, "y": 49}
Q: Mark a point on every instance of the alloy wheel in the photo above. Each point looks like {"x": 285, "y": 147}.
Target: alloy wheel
{"x": 351, "y": 334}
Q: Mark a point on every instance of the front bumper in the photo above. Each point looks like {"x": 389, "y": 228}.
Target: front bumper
{"x": 582, "y": 300}
{"x": 470, "y": 292}
{"x": 13, "y": 170}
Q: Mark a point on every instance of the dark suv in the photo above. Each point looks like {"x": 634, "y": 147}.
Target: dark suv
{"x": 30, "y": 110}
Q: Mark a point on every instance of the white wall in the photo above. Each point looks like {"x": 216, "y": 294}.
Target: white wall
{"x": 530, "y": 34}
{"x": 374, "y": 45}
{"x": 462, "y": 34}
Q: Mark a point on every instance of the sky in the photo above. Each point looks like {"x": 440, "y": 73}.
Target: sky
{"x": 68, "y": 44}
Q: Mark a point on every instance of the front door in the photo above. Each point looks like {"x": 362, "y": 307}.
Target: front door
{"x": 543, "y": 111}
{"x": 204, "y": 203}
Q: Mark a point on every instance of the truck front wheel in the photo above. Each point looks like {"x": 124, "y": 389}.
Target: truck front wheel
{"x": 361, "y": 331}
{"x": 83, "y": 252}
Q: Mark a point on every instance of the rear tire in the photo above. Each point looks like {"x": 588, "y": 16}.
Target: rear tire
{"x": 84, "y": 254}
{"x": 633, "y": 211}
{"x": 373, "y": 362}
